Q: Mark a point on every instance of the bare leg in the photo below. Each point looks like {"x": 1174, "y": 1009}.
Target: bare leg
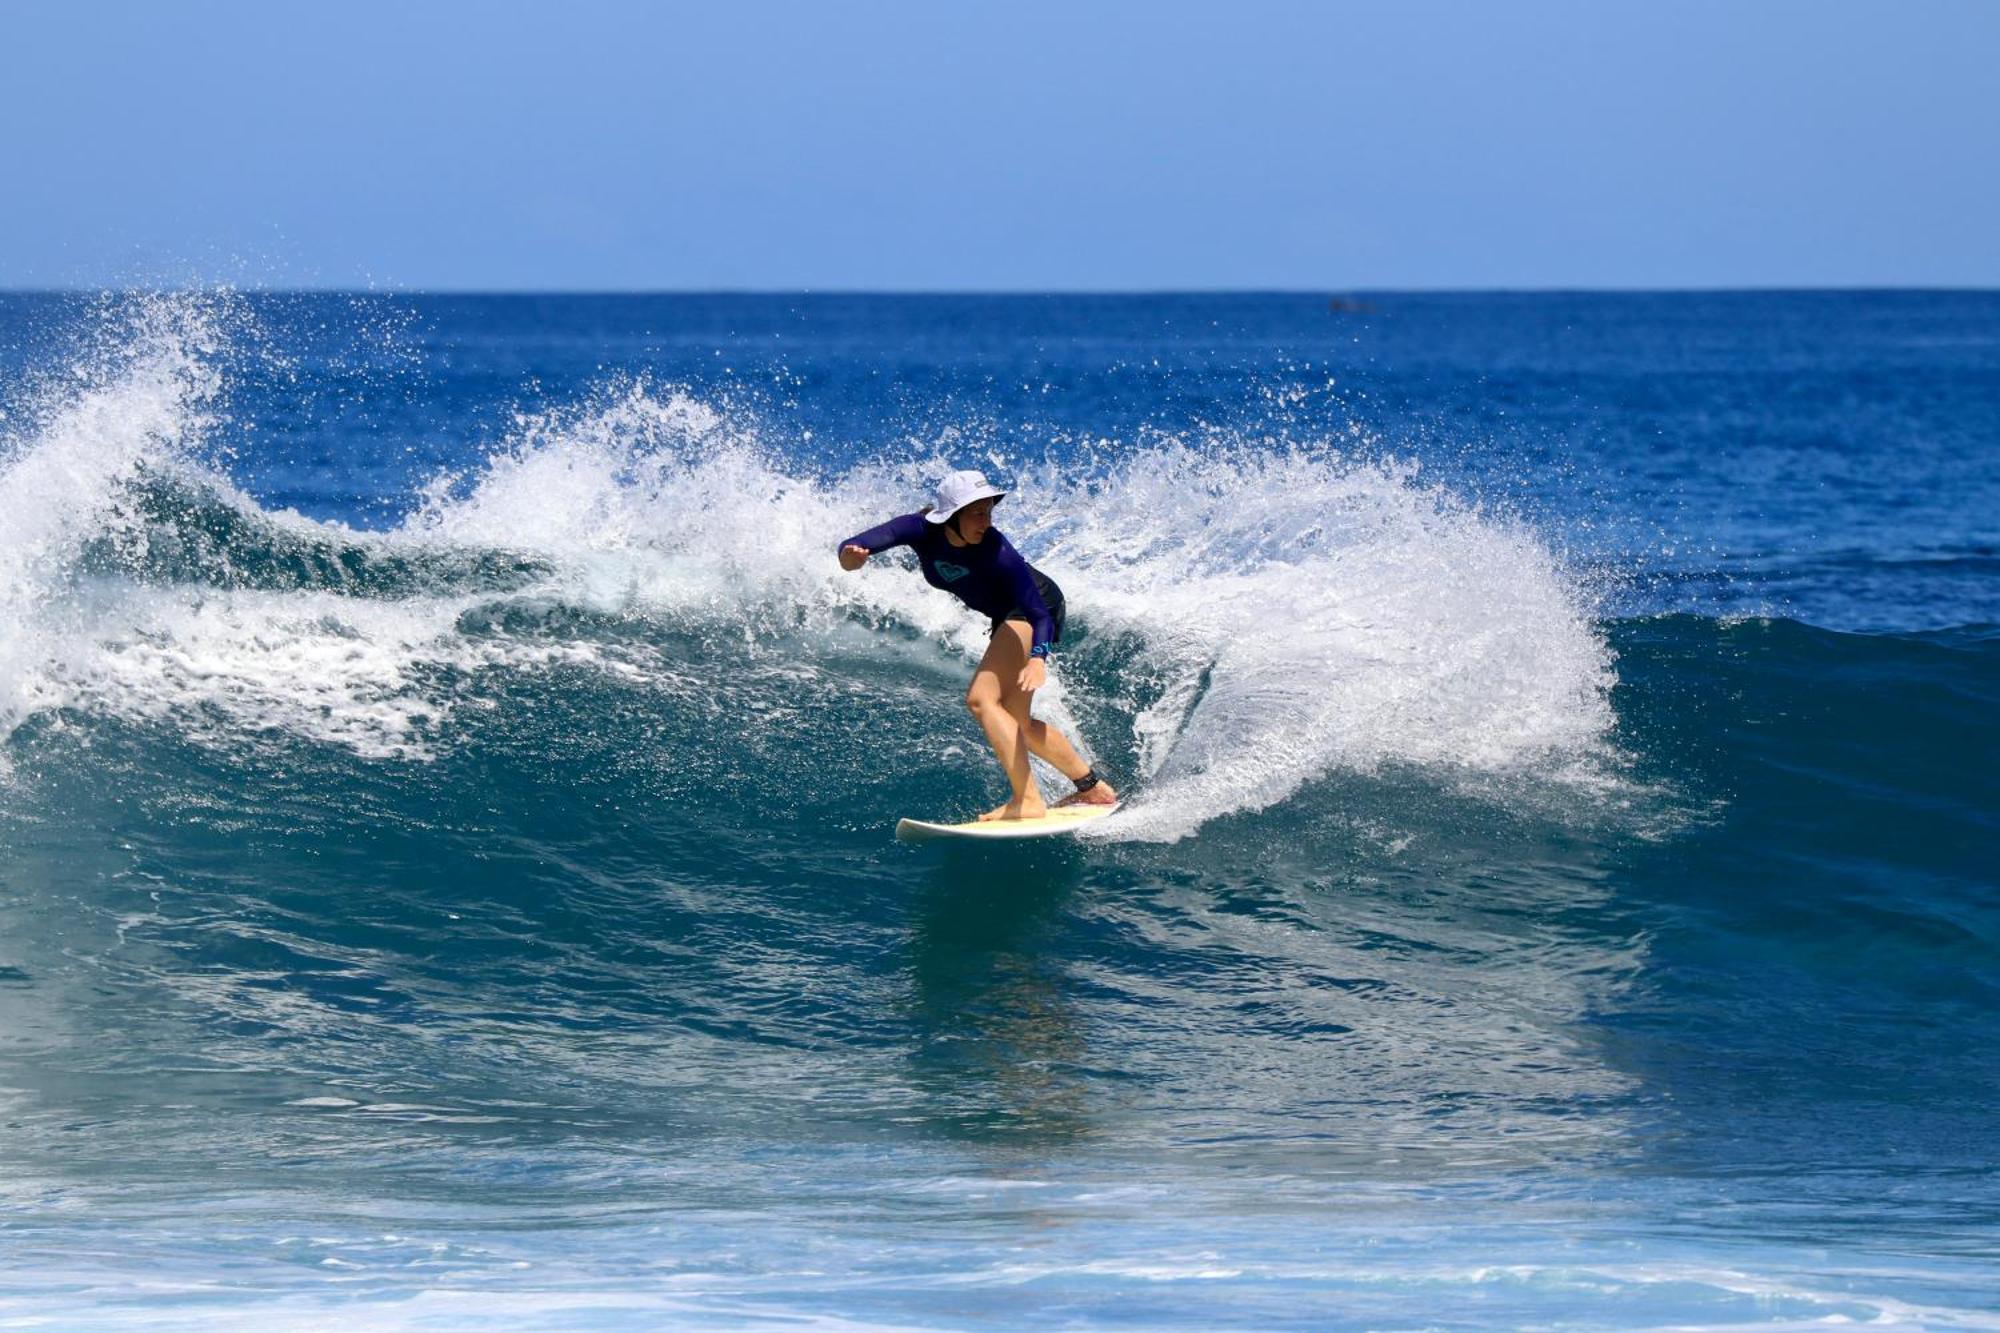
{"x": 993, "y": 691}
{"x": 1002, "y": 709}
{"x": 1052, "y": 746}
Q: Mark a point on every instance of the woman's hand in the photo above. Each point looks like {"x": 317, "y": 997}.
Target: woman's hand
{"x": 853, "y": 557}
{"x": 1033, "y": 676}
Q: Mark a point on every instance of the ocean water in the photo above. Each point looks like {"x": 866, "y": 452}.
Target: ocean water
{"x": 446, "y": 789}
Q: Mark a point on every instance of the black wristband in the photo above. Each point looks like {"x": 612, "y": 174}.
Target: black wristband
{"x": 1088, "y": 780}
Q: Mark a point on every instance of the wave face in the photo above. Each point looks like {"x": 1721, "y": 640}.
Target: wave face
{"x": 427, "y": 828}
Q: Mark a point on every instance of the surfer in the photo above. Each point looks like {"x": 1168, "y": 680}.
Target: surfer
{"x": 959, "y": 550}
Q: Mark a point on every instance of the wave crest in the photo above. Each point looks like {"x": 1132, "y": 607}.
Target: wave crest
{"x": 1248, "y": 615}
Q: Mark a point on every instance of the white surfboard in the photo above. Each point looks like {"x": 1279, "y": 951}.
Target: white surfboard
{"x": 1059, "y": 819}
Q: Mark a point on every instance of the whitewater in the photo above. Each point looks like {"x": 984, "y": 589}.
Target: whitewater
{"x": 446, "y": 782}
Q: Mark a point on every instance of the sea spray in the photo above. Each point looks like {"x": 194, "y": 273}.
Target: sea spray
{"x": 1249, "y": 614}
{"x": 140, "y": 398}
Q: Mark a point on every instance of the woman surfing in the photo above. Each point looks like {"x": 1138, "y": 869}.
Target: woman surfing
{"x": 961, "y": 551}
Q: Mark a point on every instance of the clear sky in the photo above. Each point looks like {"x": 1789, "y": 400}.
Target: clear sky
{"x": 936, "y": 145}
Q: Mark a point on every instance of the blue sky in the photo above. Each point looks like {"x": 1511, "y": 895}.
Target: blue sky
{"x": 943, "y": 146}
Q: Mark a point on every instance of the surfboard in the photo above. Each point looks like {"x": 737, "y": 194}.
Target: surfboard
{"x": 1062, "y": 819}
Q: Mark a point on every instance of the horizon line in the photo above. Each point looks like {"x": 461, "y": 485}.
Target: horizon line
{"x": 1330, "y": 292}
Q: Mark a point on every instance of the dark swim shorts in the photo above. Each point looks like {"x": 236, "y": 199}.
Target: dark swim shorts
{"x": 1052, "y": 597}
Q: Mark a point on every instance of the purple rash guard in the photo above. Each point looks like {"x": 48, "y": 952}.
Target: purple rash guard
{"x": 991, "y": 577}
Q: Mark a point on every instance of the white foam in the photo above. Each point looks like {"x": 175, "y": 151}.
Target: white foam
{"x": 142, "y": 397}
{"x": 649, "y": 498}
{"x": 222, "y": 663}
{"x": 1305, "y": 613}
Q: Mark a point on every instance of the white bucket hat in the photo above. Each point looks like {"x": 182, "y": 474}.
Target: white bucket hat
{"x": 957, "y": 491}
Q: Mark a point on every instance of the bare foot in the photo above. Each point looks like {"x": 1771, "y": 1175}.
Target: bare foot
{"x": 1016, "y": 810}
{"x": 1100, "y": 794}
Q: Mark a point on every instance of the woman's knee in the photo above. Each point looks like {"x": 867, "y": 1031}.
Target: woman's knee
{"x": 982, "y": 695}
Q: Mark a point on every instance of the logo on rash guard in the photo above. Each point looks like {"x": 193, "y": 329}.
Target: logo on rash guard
{"x": 949, "y": 572}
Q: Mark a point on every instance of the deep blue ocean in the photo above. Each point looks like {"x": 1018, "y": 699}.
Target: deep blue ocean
{"x": 446, "y": 793}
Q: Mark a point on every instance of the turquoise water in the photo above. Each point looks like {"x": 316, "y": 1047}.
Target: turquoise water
{"x": 445, "y": 859}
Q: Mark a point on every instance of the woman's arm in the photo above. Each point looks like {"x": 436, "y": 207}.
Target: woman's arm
{"x": 899, "y": 531}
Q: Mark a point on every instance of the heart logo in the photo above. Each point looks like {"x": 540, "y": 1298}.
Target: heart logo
{"x": 951, "y": 573}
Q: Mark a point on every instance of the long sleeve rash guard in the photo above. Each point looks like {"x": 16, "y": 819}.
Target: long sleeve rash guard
{"x": 991, "y": 577}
